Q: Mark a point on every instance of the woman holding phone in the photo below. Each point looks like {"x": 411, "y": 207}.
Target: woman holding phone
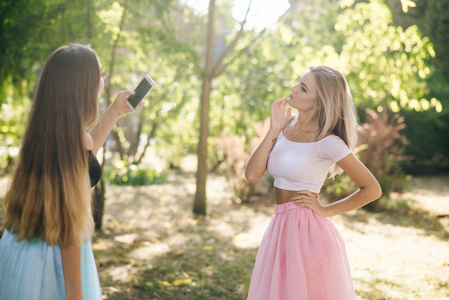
{"x": 45, "y": 249}
{"x": 302, "y": 256}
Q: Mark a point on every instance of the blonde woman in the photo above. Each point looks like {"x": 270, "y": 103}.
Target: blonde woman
{"x": 45, "y": 249}
{"x": 302, "y": 256}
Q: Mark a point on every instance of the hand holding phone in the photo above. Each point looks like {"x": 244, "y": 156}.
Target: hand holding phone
{"x": 141, "y": 90}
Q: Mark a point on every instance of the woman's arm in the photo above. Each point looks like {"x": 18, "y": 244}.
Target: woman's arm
{"x": 369, "y": 190}
{"x": 71, "y": 267}
{"x": 257, "y": 162}
{"x": 104, "y": 126}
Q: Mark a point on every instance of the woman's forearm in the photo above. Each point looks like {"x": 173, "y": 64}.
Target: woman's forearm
{"x": 104, "y": 126}
{"x": 356, "y": 200}
{"x": 71, "y": 266}
{"x": 257, "y": 163}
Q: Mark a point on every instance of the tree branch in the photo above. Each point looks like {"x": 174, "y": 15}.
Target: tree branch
{"x": 89, "y": 21}
{"x": 150, "y": 136}
{"x": 232, "y": 44}
{"x": 111, "y": 72}
{"x": 220, "y": 70}
{"x": 240, "y": 53}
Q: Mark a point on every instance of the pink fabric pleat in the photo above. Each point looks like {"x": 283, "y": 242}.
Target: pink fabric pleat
{"x": 302, "y": 257}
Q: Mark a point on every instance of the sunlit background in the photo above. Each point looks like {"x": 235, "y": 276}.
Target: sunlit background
{"x": 394, "y": 56}
{"x": 262, "y": 13}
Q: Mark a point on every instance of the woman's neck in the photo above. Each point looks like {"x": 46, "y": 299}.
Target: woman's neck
{"x": 306, "y": 124}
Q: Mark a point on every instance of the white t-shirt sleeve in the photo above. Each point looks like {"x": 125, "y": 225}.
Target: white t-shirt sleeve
{"x": 334, "y": 148}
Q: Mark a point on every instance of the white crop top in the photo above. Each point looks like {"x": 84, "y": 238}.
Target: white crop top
{"x": 304, "y": 166}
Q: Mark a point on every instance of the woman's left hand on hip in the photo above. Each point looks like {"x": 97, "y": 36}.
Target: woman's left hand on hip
{"x": 310, "y": 200}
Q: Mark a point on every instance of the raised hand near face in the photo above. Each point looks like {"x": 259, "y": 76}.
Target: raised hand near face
{"x": 279, "y": 118}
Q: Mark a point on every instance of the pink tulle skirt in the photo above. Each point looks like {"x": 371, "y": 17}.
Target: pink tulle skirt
{"x": 302, "y": 257}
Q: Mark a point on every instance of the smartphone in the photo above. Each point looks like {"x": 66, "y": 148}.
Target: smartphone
{"x": 141, "y": 90}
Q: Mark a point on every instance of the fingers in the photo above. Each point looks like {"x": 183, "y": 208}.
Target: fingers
{"x": 279, "y": 103}
{"x": 278, "y": 107}
{"x": 139, "y": 107}
{"x": 127, "y": 93}
{"x": 302, "y": 197}
{"x": 283, "y": 101}
{"x": 307, "y": 193}
{"x": 310, "y": 200}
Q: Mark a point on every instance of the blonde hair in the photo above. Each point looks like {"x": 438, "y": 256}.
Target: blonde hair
{"x": 49, "y": 194}
{"x": 337, "y": 113}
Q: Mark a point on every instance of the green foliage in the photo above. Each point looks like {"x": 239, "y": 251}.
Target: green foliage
{"x": 386, "y": 65}
{"x": 427, "y": 131}
{"x": 13, "y": 113}
{"x": 149, "y": 46}
{"x": 382, "y": 149}
{"x": 428, "y": 149}
{"x": 338, "y": 188}
{"x": 135, "y": 175}
{"x": 31, "y": 30}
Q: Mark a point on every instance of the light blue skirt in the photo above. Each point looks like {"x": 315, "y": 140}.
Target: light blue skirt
{"x": 33, "y": 270}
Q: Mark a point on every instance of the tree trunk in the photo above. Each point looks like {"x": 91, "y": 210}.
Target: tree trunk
{"x": 89, "y": 21}
{"x": 98, "y": 204}
{"x": 211, "y": 71}
{"x": 100, "y": 188}
{"x": 199, "y": 204}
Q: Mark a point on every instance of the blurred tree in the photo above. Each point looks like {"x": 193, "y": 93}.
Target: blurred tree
{"x": 386, "y": 66}
{"x": 432, "y": 156}
{"x": 29, "y": 32}
{"x": 218, "y": 57}
{"x": 129, "y": 50}
{"x": 211, "y": 70}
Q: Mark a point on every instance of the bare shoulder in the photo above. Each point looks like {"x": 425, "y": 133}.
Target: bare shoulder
{"x": 330, "y": 133}
{"x": 88, "y": 141}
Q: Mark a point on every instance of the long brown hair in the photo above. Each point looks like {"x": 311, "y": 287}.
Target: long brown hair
{"x": 49, "y": 196}
{"x": 337, "y": 113}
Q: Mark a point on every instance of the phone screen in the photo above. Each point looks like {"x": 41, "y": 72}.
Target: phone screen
{"x": 141, "y": 91}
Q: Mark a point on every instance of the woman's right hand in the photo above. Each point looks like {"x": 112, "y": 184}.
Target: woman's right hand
{"x": 279, "y": 119}
{"x": 119, "y": 105}
{"x": 257, "y": 162}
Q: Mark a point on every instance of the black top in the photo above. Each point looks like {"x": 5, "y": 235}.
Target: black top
{"x": 94, "y": 169}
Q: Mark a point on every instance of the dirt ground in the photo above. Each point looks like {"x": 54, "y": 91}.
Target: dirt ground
{"x": 153, "y": 247}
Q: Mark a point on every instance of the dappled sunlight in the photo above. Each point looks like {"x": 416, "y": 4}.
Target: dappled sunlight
{"x": 217, "y": 68}
{"x": 152, "y": 228}
{"x": 154, "y": 245}
{"x": 149, "y": 250}
{"x": 401, "y": 252}
{"x": 252, "y": 237}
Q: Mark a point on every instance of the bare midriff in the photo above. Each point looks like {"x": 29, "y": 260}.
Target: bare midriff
{"x": 284, "y": 196}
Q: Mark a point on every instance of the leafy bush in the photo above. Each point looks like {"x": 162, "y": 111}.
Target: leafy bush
{"x": 384, "y": 146}
{"x": 233, "y": 153}
{"x": 426, "y": 131}
{"x": 381, "y": 148}
{"x": 134, "y": 175}
{"x": 337, "y": 188}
